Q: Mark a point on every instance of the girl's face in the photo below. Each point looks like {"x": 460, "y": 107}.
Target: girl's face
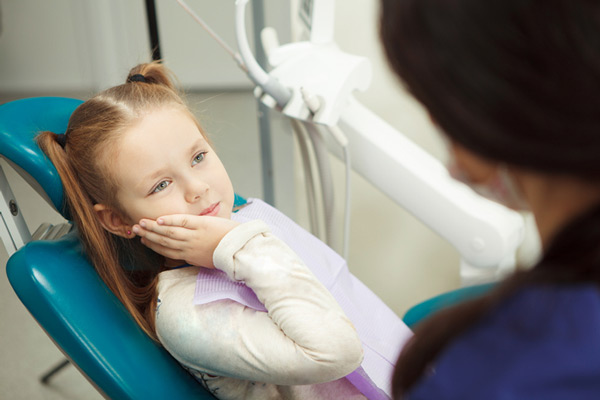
{"x": 165, "y": 166}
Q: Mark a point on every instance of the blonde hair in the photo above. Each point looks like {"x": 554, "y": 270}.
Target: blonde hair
{"x": 127, "y": 267}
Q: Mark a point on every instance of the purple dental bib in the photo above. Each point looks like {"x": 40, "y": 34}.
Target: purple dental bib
{"x": 381, "y": 332}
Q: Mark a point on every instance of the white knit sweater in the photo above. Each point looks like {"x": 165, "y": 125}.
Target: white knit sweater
{"x": 302, "y": 348}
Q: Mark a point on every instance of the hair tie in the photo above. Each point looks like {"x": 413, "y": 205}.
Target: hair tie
{"x": 61, "y": 139}
{"x": 137, "y": 78}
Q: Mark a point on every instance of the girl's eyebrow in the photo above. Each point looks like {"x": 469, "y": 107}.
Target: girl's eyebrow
{"x": 149, "y": 179}
{"x": 153, "y": 176}
{"x": 199, "y": 143}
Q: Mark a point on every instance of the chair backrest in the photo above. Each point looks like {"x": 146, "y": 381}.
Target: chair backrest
{"x": 20, "y": 122}
{"x": 62, "y": 291}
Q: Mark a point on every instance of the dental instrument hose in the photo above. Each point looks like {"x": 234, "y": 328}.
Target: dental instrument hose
{"x": 337, "y": 132}
{"x": 314, "y": 104}
{"x": 311, "y": 197}
{"x": 326, "y": 181}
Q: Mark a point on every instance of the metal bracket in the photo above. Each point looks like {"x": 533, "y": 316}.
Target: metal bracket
{"x": 14, "y": 232}
{"x": 13, "y": 229}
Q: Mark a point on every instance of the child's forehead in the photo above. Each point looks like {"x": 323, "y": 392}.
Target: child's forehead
{"x": 167, "y": 123}
{"x": 156, "y": 138}
{"x": 172, "y": 113}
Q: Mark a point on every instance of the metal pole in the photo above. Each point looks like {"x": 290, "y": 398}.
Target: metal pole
{"x": 153, "y": 29}
{"x": 264, "y": 126}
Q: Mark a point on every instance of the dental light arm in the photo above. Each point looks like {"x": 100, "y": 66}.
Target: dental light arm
{"x": 485, "y": 233}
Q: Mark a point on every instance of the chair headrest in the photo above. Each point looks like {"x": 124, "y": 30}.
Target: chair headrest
{"x": 20, "y": 122}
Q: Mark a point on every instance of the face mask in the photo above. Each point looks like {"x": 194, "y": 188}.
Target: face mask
{"x": 502, "y": 189}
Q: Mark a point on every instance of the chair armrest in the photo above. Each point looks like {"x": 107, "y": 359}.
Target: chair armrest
{"x": 423, "y": 310}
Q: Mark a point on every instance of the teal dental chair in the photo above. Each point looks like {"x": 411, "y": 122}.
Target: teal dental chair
{"x": 62, "y": 291}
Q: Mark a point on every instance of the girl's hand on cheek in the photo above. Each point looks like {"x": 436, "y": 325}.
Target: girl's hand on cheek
{"x": 185, "y": 237}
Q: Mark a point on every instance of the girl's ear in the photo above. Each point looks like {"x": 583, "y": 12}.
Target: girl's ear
{"x": 112, "y": 221}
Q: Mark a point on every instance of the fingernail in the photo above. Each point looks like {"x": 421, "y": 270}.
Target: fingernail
{"x": 160, "y": 221}
{"x": 136, "y": 229}
{"x": 143, "y": 224}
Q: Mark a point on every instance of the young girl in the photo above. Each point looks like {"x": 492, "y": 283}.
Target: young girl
{"x": 233, "y": 303}
{"x": 514, "y": 86}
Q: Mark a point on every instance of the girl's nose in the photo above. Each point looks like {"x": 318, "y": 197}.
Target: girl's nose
{"x": 195, "y": 190}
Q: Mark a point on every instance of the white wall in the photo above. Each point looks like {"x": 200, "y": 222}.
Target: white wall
{"x": 69, "y": 45}
{"x": 197, "y": 59}
{"x": 87, "y": 45}
{"x": 36, "y": 42}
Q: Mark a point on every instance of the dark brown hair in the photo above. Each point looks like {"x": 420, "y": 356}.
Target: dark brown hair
{"x": 515, "y": 81}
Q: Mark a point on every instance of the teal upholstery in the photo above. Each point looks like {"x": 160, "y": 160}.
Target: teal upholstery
{"x": 62, "y": 291}
{"x": 423, "y": 310}
{"x": 20, "y": 121}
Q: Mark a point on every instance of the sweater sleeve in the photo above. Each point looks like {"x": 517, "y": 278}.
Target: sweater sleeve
{"x": 304, "y": 338}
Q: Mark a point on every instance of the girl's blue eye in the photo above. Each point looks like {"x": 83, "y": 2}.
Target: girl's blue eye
{"x": 198, "y": 159}
{"x": 161, "y": 186}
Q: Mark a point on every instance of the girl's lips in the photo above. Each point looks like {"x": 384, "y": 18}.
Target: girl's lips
{"x": 212, "y": 210}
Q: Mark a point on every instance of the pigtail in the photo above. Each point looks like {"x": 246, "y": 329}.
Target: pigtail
{"x": 100, "y": 245}
{"x": 53, "y": 145}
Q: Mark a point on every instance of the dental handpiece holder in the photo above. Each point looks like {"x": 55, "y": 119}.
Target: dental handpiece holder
{"x": 320, "y": 69}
